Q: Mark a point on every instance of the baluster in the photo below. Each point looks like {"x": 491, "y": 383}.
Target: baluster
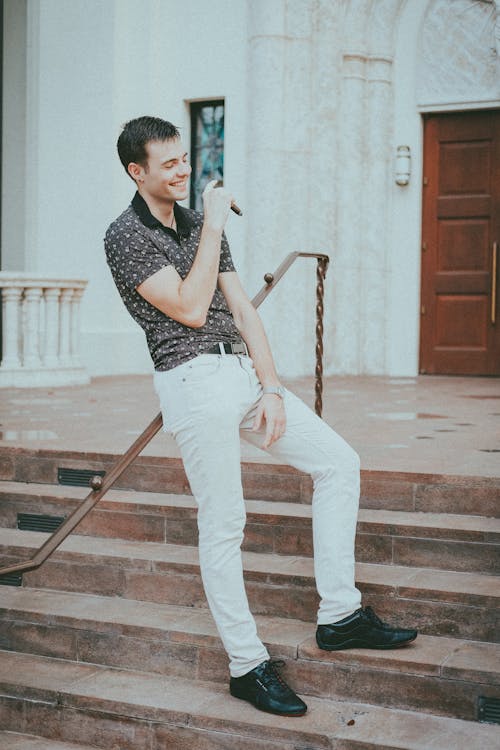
{"x": 51, "y": 344}
{"x": 11, "y": 302}
{"x": 65, "y": 330}
{"x": 31, "y": 328}
{"x": 75, "y": 327}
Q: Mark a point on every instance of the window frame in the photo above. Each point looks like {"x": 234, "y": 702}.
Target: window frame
{"x": 194, "y": 109}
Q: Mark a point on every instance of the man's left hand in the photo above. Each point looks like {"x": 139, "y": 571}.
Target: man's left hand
{"x": 270, "y": 410}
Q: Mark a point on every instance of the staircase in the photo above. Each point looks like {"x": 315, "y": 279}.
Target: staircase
{"x": 110, "y": 644}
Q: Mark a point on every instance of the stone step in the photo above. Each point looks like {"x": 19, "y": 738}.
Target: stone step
{"x": 463, "y": 605}
{"x": 407, "y": 491}
{"x": 441, "y": 675}
{"x": 16, "y": 741}
{"x": 132, "y": 710}
{"x": 435, "y": 540}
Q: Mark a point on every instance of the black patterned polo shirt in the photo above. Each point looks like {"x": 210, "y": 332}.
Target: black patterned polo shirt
{"x": 138, "y": 245}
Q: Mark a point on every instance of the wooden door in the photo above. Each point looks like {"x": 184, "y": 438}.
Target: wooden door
{"x": 460, "y": 325}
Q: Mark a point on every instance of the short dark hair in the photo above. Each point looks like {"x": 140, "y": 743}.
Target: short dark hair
{"x": 137, "y": 133}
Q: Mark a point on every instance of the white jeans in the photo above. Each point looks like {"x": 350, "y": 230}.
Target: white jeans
{"x": 207, "y": 404}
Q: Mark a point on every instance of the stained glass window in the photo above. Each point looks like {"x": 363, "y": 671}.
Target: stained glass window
{"x": 207, "y": 147}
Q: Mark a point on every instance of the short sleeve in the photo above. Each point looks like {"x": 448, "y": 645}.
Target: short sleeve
{"x": 133, "y": 258}
{"x": 226, "y": 260}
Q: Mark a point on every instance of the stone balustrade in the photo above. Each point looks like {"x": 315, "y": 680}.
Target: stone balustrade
{"x": 40, "y": 331}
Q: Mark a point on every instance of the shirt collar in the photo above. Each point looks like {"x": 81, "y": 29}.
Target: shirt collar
{"x": 182, "y": 218}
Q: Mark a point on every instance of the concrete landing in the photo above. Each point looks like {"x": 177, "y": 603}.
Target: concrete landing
{"x": 431, "y": 424}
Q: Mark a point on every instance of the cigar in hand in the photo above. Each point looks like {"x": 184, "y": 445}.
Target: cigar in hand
{"x": 234, "y": 207}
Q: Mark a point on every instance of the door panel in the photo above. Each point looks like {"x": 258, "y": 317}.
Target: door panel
{"x": 459, "y": 321}
{"x": 464, "y": 168}
{"x": 463, "y": 245}
{"x": 461, "y": 222}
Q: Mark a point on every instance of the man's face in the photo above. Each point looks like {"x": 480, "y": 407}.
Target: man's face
{"x": 168, "y": 169}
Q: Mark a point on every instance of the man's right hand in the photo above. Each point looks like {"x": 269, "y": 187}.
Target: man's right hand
{"x": 216, "y": 205}
{"x": 188, "y": 300}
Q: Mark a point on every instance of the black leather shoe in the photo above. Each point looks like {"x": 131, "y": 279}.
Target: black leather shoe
{"x": 266, "y": 689}
{"x": 362, "y": 629}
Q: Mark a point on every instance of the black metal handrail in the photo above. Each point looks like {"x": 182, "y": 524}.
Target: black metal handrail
{"x": 100, "y": 485}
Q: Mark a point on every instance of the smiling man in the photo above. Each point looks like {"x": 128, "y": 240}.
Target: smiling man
{"x": 216, "y": 381}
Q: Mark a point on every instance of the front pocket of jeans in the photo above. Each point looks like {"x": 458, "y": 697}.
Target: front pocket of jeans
{"x": 201, "y": 369}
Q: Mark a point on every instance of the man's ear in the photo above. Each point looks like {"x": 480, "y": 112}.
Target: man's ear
{"x": 136, "y": 171}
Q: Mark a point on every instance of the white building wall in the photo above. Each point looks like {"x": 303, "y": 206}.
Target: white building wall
{"x": 318, "y": 95}
{"x": 167, "y": 53}
{"x": 93, "y": 65}
{"x": 447, "y": 59}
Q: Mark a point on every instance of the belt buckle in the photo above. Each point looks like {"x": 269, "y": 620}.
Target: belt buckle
{"x": 239, "y": 348}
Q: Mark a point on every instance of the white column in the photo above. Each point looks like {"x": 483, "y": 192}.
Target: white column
{"x": 51, "y": 343}
{"x": 266, "y": 115}
{"x": 75, "y": 327}
{"x": 351, "y": 222}
{"x": 11, "y": 303}
{"x": 280, "y": 123}
{"x": 31, "y": 328}
{"x": 327, "y": 68}
{"x": 376, "y": 216}
{"x": 65, "y": 328}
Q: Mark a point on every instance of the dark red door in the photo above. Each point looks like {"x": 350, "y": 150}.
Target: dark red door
{"x": 460, "y": 329}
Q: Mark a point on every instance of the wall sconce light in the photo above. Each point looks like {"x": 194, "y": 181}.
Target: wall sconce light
{"x": 403, "y": 165}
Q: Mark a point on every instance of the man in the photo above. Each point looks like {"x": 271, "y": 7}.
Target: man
{"x": 216, "y": 381}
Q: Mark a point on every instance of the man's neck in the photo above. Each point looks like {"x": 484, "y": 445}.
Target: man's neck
{"x": 161, "y": 210}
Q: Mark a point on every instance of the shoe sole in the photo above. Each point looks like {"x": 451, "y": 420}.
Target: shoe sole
{"x": 362, "y": 644}
{"x": 266, "y": 710}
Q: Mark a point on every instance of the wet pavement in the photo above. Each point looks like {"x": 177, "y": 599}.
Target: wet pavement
{"x": 431, "y": 424}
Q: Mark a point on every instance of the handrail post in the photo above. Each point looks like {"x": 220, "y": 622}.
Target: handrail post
{"x": 321, "y": 267}
{"x": 272, "y": 279}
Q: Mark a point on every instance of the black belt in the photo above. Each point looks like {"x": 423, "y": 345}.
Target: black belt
{"x": 236, "y": 347}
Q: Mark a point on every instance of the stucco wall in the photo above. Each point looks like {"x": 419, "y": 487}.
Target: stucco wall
{"x": 318, "y": 95}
